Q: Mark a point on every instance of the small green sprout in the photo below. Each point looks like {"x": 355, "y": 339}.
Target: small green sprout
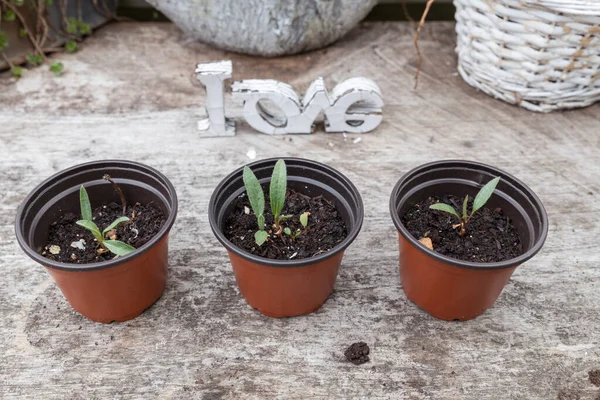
{"x": 482, "y": 197}
{"x": 16, "y": 72}
{"x": 277, "y": 191}
{"x": 71, "y": 46}
{"x": 114, "y": 246}
{"x": 57, "y": 68}
{"x": 9, "y": 15}
{"x": 304, "y": 219}
{"x": 3, "y": 40}
{"x": 34, "y": 59}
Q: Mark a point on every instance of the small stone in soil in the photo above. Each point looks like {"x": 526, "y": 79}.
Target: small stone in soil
{"x": 594, "y": 377}
{"x": 54, "y": 249}
{"x": 357, "y": 353}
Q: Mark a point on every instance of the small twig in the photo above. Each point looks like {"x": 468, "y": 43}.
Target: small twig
{"x": 10, "y": 64}
{"x": 416, "y": 40}
{"x": 107, "y": 177}
{"x": 406, "y": 13}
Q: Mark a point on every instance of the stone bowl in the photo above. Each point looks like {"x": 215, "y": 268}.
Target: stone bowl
{"x": 267, "y": 28}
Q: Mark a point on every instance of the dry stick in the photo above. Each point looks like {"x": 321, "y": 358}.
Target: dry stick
{"x": 406, "y": 13}
{"x": 416, "y": 40}
{"x": 11, "y": 65}
{"x": 27, "y": 30}
{"x": 107, "y": 13}
{"x": 107, "y": 177}
{"x": 42, "y": 21}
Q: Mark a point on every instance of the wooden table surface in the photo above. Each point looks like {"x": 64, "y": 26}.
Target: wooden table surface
{"x": 130, "y": 93}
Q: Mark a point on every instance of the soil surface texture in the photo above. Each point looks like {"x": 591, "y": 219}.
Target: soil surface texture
{"x": 490, "y": 236}
{"x": 594, "y": 377}
{"x": 324, "y": 231}
{"x": 144, "y": 223}
{"x": 357, "y": 353}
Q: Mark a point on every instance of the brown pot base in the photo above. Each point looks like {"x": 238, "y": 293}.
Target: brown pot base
{"x": 445, "y": 291}
{"x": 285, "y": 292}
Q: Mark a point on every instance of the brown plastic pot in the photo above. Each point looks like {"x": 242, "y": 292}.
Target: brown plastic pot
{"x": 445, "y": 287}
{"x": 286, "y": 288}
{"x": 115, "y": 290}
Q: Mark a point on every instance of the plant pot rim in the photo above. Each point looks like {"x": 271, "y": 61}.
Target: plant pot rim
{"x": 457, "y": 163}
{"x": 352, "y": 234}
{"x": 164, "y": 230}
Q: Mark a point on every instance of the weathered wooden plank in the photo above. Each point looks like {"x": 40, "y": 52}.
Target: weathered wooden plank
{"x": 132, "y": 85}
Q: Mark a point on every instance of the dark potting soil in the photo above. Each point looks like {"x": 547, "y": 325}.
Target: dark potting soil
{"x": 324, "y": 231}
{"x": 594, "y": 377}
{"x": 490, "y": 237}
{"x": 142, "y": 226}
{"x": 357, "y": 353}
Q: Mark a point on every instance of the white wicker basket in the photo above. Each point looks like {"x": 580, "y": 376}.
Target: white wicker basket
{"x": 543, "y": 55}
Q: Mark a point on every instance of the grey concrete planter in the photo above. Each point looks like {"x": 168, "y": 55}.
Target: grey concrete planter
{"x": 266, "y": 28}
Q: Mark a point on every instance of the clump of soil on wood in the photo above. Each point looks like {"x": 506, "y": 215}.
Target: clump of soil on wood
{"x": 594, "y": 377}
{"x": 325, "y": 227}
{"x": 357, "y": 353}
{"x": 568, "y": 394}
{"x": 144, "y": 223}
{"x": 490, "y": 237}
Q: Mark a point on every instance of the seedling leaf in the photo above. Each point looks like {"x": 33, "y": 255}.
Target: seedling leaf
{"x": 277, "y": 188}
{"x": 71, "y": 46}
{"x": 3, "y": 40}
{"x": 17, "y": 72}
{"x": 261, "y": 222}
{"x": 114, "y": 224}
{"x": 119, "y": 248}
{"x": 484, "y": 194}
{"x": 57, "y": 68}
{"x": 465, "y": 203}
{"x": 91, "y": 226}
{"x": 9, "y": 15}
{"x": 287, "y": 231}
{"x": 84, "y": 204}
{"x": 260, "y": 237}
{"x": 255, "y": 195}
{"x": 304, "y": 219}
{"x": 445, "y": 208}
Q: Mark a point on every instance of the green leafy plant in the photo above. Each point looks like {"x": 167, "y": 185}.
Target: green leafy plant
{"x": 17, "y": 72}
{"x": 277, "y": 191}
{"x": 9, "y": 15}
{"x": 3, "y": 40}
{"x": 71, "y": 46}
{"x": 34, "y": 59}
{"x": 482, "y": 197}
{"x": 75, "y": 26}
{"x": 114, "y": 246}
{"x": 57, "y": 68}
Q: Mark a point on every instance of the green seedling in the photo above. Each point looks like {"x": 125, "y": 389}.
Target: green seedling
{"x": 34, "y": 59}
{"x": 3, "y": 40}
{"x": 482, "y": 197}
{"x": 114, "y": 246}
{"x": 71, "y": 46}
{"x": 277, "y": 190}
{"x": 57, "y": 68}
{"x": 16, "y": 72}
{"x": 9, "y": 15}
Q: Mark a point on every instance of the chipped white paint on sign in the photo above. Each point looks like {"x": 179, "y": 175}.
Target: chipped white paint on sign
{"x": 274, "y": 107}
{"x": 212, "y": 75}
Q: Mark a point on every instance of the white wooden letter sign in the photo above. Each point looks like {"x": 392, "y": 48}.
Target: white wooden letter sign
{"x": 274, "y": 108}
